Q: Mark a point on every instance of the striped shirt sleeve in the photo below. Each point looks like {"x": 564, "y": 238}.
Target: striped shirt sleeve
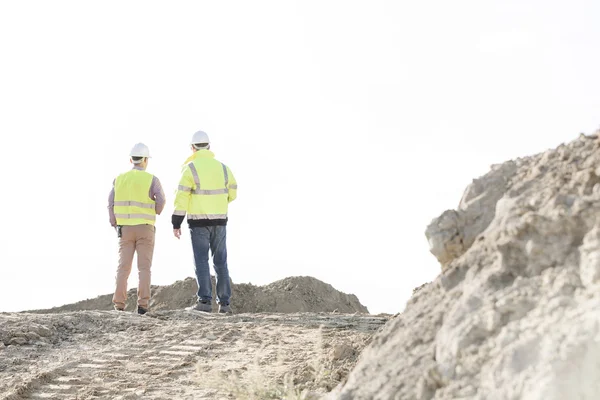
{"x": 111, "y": 204}
{"x": 158, "y": 195}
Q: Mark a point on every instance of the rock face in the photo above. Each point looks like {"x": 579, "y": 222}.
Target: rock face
{"x": 515, "y": 313}
{"x": 293, "y": 294}
{"x": 451, "y": 234}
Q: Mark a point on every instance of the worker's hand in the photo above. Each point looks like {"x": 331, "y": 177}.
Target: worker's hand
{"x": 177, "y": 233}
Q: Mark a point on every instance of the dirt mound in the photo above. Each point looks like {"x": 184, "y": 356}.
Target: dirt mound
{"x": 515, "y": 313}
{"x": 289, "y": 295}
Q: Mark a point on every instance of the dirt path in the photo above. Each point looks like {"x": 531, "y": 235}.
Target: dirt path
{"x": 177, "y": 354}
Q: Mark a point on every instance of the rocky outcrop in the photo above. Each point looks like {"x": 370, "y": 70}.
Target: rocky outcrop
{"x": 452, "y": 233}
{"x": 515, "y": 313}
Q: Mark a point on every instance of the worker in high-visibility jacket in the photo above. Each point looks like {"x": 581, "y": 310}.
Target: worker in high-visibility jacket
{"x": 134, "y": 202}
{"x": 205, "y": 190}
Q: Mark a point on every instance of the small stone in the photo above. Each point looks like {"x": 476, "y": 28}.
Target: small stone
{"x": 42, "y": 330}
{"x": 468, "y": 391}
{"x": 19, "y": 341}
{"x": 341, "y": 351}
{"x": 2, "y": 346}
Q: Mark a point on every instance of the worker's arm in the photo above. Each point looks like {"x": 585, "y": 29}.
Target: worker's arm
{"x": 232, "y": 186}
{"x": 111, "y": 205}
{"x": 182, "y": 198}
{"x": 158, "y": 195}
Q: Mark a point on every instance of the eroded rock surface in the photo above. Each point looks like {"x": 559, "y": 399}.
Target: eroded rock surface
{"x": 515, "y": 313}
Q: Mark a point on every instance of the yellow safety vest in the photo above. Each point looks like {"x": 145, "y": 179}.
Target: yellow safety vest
{"x": 206, "y": 188}
{"x": 133, "y": 205}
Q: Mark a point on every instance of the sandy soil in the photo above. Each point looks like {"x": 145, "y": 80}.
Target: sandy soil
{"x": 178, "y": 354}
{"x": 292, "y": 294}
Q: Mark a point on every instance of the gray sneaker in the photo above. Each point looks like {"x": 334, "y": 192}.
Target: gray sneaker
{"x": 204, "y": 307}
{"x": 225, "y": 309}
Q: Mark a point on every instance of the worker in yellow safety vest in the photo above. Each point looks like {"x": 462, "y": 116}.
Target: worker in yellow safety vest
{"x": 205, "y": 190}
{"x": 134, "y": 202}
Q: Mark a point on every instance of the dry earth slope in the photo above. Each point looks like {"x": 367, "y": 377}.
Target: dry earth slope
{"x": 85, "y": 351}
{"x": 177, "y": 354}
{"x": 515, "y": 313}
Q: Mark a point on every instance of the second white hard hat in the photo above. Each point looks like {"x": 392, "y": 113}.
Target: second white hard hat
{"x": 140, "y": 150}
{"x": 200, "y": 137}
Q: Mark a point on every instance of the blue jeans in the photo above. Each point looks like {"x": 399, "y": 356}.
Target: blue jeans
{"x": 213, "y": 238}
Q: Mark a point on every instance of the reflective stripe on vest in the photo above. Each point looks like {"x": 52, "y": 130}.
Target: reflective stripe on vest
{"x": 136, "y": 216}
{"x": 134, "y": 203}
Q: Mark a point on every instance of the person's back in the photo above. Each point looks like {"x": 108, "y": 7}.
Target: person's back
{"x": 133, "y": 205}
{"x": 205, "y": 190}
{"x": 211, "y": 182}
{"x": 135, "y": 200}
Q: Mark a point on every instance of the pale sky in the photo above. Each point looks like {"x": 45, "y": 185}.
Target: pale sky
{"x": 349, "y": 126}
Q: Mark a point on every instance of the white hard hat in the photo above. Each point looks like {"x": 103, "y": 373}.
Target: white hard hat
{"x": 200, "y": 137}
{"x": 140, "y": 150}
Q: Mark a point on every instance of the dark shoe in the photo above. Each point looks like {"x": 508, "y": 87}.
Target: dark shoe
{"x": 142, "y": 310}
{"x": 202, "y": 306}
{"x": 225, "y": 309}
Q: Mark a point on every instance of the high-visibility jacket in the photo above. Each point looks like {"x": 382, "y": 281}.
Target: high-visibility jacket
{"x": 205, "y": 189}
{"x": 133, "y": 205}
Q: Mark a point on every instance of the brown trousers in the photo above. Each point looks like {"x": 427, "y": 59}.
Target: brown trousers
{"x": 140, "y": 239}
